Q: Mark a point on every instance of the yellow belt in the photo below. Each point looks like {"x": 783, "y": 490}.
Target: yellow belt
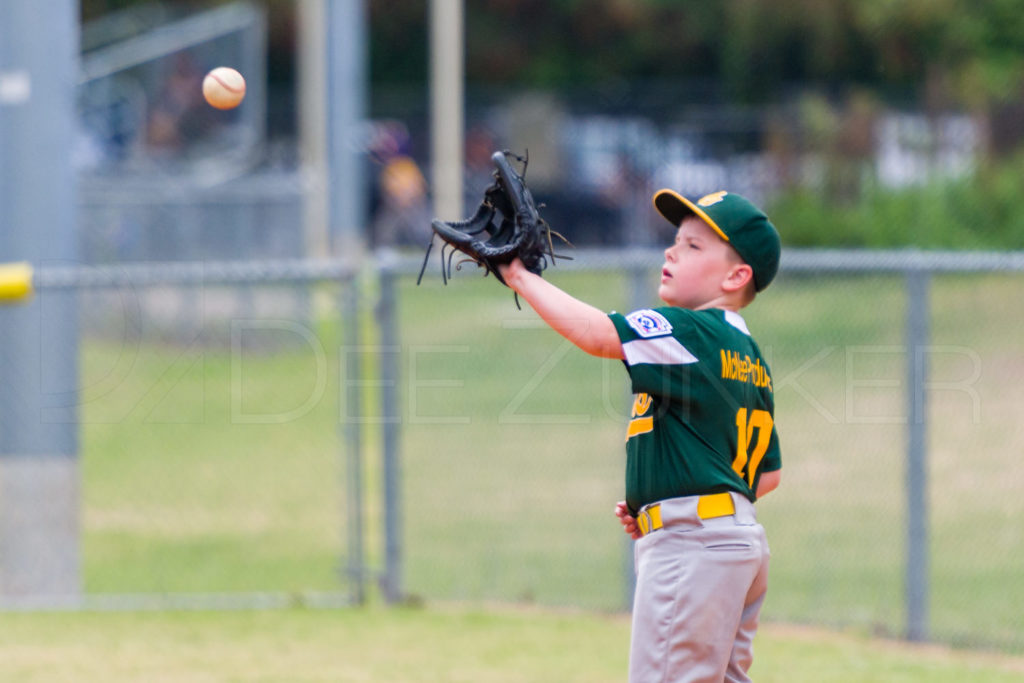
{"x": 708, "y": 507}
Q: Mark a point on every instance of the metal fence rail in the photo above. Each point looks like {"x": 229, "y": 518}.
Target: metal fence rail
{"x": 295, "y": 271}
{"x": 794, "y": 260}
{"x": 399, "y": 264}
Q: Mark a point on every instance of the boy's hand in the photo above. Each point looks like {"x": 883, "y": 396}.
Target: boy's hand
{"x": 512, "y": 273}
{"x": 627, "y": 520}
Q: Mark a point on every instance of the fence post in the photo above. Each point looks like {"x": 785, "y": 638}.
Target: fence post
{"x": 917, "y": 332}
{"x": 390, "y": 352}
{"x": 353, "y": 436}
{"x": 40, "y": 477}
{"x": 346, "y": 79}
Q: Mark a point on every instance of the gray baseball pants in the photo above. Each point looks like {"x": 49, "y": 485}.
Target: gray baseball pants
{"x": 699, "y": 589}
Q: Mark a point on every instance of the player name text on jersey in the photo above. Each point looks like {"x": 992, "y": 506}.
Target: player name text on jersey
{"x": 745, "y": 370}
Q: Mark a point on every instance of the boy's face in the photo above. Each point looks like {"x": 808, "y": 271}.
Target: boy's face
{"x": 696, "y": 266}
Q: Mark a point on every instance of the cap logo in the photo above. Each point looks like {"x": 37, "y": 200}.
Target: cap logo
{"x": 713, "y": 198}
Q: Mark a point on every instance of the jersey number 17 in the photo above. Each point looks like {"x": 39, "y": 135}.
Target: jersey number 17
{"x": 747, "y": 461}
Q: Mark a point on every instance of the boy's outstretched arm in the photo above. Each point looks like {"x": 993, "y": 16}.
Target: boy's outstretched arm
{"x": 587, "y": 327}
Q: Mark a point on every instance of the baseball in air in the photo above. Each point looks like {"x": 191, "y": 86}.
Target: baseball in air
{"x": 224, "y": 88}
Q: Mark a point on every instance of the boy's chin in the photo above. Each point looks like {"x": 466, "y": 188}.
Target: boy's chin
{"x": 667, "y": 294}
{"x": 669, "y": 299}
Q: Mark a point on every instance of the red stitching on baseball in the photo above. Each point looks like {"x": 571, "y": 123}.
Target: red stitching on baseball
{"x": 225, "y": 85}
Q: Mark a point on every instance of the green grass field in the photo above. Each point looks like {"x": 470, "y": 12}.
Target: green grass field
{"x": 435, "y": 645}
{"x": 211, "y": 471}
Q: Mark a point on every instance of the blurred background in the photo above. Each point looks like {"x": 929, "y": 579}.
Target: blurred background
{"x": 822, "y": 111}
{"x": 332, "y": 431}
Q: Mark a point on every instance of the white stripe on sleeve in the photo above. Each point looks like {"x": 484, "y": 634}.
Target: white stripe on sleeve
{"x": 657, "y": 351}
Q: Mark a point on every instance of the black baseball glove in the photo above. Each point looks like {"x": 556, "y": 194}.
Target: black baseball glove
{"x": 506, "y": 225}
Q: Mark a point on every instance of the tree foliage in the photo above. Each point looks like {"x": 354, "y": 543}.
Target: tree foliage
{"x": 970, "y": 50}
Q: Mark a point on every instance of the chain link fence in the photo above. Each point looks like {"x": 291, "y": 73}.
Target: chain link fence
{"x": 213, "y": 454}
{"x": 897, "y": 512}
{"x": 442, "y": 442}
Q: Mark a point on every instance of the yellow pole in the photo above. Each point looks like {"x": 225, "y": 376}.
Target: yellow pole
{"x": 15, "y": 282}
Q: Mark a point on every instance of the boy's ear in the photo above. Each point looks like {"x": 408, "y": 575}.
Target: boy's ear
{"x": 739, "y": 276}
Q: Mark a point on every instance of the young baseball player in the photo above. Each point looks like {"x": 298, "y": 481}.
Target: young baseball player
{"x": 701, "y": 446}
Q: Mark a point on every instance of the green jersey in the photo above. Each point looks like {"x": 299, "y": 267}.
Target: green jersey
{"x": 703, "y": 412}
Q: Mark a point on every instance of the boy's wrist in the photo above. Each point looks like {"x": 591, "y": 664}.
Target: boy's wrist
{"x": 507, "y": 275}
{"x": 512, "y": 274}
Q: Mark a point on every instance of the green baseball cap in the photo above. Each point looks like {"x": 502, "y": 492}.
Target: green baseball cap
{"x": 737, "y": 221}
